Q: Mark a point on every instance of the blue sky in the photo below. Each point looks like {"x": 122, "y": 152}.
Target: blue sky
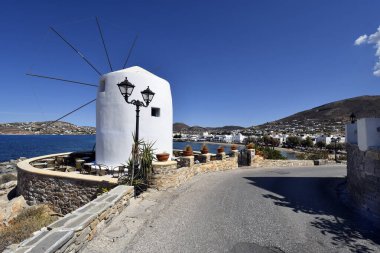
{"x": 228, "y": 62}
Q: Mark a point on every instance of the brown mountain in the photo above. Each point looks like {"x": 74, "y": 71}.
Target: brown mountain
{"x": 43, "y": 127}
{"x": 363, "y": 106}
{"x": 178, "y": 127}
{"x": 181, "y": 127}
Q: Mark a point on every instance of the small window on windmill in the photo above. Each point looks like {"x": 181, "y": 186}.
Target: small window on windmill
{"x": 155, "y": 112}
{"x": 102, "y": 86}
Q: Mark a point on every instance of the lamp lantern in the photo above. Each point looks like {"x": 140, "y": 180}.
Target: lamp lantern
{"x": 126, "y": 88}
{"x": 147, "y": 95}
{"x": 352, "y": 118}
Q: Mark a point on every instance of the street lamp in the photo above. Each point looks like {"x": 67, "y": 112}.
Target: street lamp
{"x": 352, "y": 118}
{"x": 335, "y": 140}
{"x": 126, "y": 89}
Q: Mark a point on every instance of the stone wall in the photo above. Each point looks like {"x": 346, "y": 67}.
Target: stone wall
{"x": 72, "y": 232}
{"x": 167, "y": 175}
{"x": 363, "y": 178}
{"x": 64, "y": 191}
{"x": 263, "y": 163}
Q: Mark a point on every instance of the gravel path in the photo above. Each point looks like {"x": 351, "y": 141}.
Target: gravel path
{"x": 245, "y": 210}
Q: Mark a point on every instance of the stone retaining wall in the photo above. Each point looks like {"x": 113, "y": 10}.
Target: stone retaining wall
{"x": 363, "y": 178}
{"x": 282, "y": 163}
{"x": 166, "y": 174}
{"x": 64, "y": 191}
{"x": 72, "y": 232}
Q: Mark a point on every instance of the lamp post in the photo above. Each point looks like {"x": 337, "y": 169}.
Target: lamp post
{"x": 126, "y": 89}
{"x": 335, "y": 140}
{"x": 352, "y": 118}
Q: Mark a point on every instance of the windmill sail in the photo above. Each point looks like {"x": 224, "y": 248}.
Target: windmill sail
{"x": 67, "y": 114}
{"x": 130, "y": 51}
{"x": 104, "y": 44}
{"x": 60, "y": 79}
{"x": 76, "y": 50}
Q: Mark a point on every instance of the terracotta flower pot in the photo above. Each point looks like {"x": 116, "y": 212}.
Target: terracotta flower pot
{"x": 162, "y": 157}
{"x": 204, "y": 151}
{"x": 187, "y": 153}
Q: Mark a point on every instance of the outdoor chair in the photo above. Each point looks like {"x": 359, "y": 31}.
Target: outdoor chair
{"x": 121, "y": 170}
{"x": 102, "y": 169}
{"x": 58, "y": 162}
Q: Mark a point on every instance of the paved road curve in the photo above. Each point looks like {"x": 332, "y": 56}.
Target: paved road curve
{"x": 246, "y": 210}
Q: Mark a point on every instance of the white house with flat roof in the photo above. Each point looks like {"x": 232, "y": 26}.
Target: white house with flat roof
{"x": 238, "y": 137}
{"x": 116, "y": 120}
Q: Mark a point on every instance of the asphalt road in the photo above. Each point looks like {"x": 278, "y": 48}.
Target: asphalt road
{"x": 245, "y": 210}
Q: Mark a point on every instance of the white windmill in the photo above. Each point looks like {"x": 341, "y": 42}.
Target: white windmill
{"x": 116, "y": 119}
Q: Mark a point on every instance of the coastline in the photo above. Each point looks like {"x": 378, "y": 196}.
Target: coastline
{"x": 288, "y": 150}
{"x": 212, "y": 142}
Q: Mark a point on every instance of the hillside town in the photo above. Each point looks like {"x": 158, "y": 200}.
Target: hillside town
{"x": 36, "y": 128}
{"x": 325, "y": 132}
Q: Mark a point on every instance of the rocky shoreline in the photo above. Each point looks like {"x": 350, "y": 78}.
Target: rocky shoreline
{"x": 10, "y": 166}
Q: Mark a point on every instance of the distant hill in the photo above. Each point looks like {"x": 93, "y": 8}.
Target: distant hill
{"x": 178, "y": 127}
{"x": 327, "y": 118}
{"x": 181, "y": 127}
{"x": 42, "y": 127}
{"x": 362, "y": 107}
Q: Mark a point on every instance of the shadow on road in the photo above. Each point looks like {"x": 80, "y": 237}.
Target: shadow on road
{"x": 319, "y": 196}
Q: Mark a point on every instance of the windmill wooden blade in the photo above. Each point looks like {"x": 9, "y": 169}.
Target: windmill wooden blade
{"x": 130, "y": 51}
{"x": 77, "y": 51}
{"x": 60, "y": 79}
{"x": 67, "y": 114}
{"x": 104, "y": 44}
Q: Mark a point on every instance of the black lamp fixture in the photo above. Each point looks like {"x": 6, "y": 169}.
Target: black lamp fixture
{"x": 126, "y": 89}
{"x": 335, "y": 141}
{"x": 352, "y": 118}
{"x": 147, "y": 95}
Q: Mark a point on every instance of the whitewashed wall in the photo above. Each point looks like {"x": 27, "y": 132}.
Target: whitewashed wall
{"x": 352, "y": 133}
{"x": 115, "y": 119}
{"x": 368, "y": 130}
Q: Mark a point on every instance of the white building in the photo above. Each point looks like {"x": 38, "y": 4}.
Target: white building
{"x": 116, "y": 120}
{"x": 327, "y": 139}
{"x": 227, "y": 138}
{"x": 238, "y": 137}
{"x": 365, "y": 133}
{"x": 323, "y": 138}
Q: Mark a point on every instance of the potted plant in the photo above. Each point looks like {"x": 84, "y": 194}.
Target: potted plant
{"x": 204, "y": 149}
{"x": 234, "y": 147}
{"x": 162, "y": 157}
{"x": 188, "y": 151}
{"x": 220, "y": 149}
{"x": 250, "y": 145}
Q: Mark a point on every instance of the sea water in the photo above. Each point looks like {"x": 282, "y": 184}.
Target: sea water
{"x": 16, "y": 146}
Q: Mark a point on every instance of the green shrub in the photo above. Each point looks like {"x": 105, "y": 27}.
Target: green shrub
{"x": 269, "y": 153}
{"x": 313, "y": 156}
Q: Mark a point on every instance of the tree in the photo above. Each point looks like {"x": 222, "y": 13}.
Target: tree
{"x": 320, "y": 144}
{"x": 293, "y": 141}
{"x": 307, "y": 143}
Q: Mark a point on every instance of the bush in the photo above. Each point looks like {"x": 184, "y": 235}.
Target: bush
{"x": 188, "y": 148}
{"x": 301, "y": 156}
{"x": 313, "y": 156}
{"x": 269, "y": 153}
{"x": 7, "y": 178}
{"x": 250, "y": 145}
{"x": 204, "y": 147}
{"x": 27, "y": 222}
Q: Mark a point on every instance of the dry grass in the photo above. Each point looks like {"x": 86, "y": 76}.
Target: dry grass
{"x": 7, "y": 178}
{"x": 27, "y": 222}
